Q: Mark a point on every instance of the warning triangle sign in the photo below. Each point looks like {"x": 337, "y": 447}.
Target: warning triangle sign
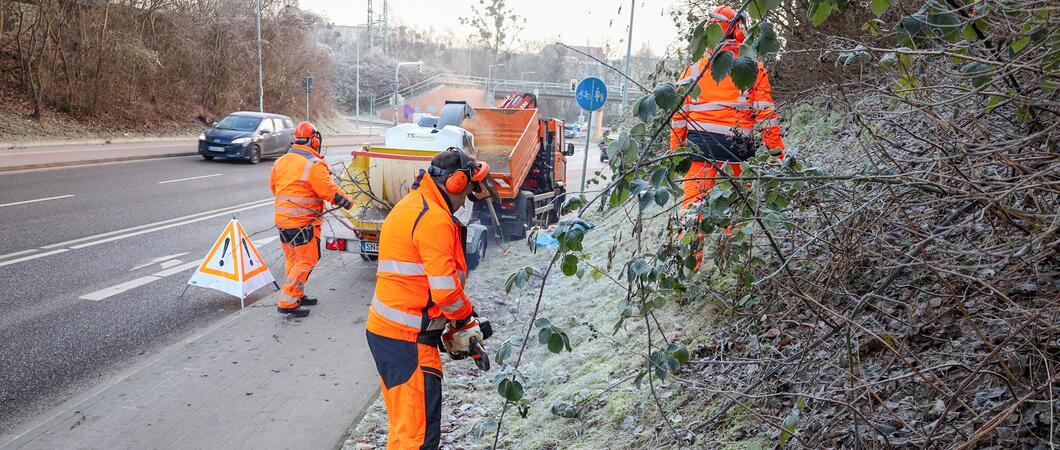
{"x": 232, "y": 265}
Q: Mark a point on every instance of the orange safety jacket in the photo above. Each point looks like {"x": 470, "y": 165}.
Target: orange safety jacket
{"x": 421, "y": 274}
{"x": 301, "y": 182}
{"x": 721, "y": 108}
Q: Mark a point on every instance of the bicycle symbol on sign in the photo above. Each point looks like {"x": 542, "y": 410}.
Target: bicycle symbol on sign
{"x": 584, "y": 95}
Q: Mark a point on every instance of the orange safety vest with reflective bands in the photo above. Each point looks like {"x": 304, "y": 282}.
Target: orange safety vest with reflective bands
{"x": 721, "y": 108}
{"x": 421, "y": 274}
{"x": 301, "y": 182}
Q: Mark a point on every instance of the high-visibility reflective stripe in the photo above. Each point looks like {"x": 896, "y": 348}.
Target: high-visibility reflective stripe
{"x": 762, "y": 105}
{"x": 692, "y": 76}
{"x": 399, "y": 267}
{"x": 768, "y": 123}
{"x": 305, "y": 172}
{"x": 454, "y": 307}
{"x": 442, "y": 282}
{"x": 312, "y": 158}
{"x": 395, "y": 315}
{"x": 679, "y": 123}
{"x": 296, "y": 211}
{"x": 308, "y": 201}
{"x": 711, "y": 127}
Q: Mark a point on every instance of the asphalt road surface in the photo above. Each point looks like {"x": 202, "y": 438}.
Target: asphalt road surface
{"x": 93, "y": 259}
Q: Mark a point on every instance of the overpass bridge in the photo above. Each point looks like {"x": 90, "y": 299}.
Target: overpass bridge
{"x": 498, "y": 88}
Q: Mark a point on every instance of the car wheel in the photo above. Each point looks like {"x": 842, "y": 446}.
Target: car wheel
{"x": 255, "y": 155}
{"x": 474, "y": 259}
{"x": 207, "y": 157}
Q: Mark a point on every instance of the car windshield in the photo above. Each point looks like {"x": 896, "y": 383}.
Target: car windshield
{"x": 238, "y": 123}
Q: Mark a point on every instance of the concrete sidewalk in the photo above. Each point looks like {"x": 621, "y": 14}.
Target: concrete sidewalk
{"x": 255, "y": 380}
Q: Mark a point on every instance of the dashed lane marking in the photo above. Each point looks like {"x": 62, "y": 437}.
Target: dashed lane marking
{"x": 36, "y": 200}
{"x": 27, "y": 258}
{"x": 190, "y": 178}
{"x": 118, "y": 289}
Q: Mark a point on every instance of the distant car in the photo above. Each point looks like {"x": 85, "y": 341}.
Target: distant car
{"x": 249, "y": 136}
{"x": 570, "y": 131}
{"x": 603, "y": 150}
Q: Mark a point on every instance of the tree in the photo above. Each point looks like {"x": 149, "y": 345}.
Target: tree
{"x": 496, "y": 25}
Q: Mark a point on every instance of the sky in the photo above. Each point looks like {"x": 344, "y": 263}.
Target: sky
{"x": 575, "y": 22}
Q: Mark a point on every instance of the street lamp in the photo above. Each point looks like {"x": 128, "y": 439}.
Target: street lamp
{"x": 629, "y": 51}
{"x": 522, "y": 76}
{"x": 261, "y": 74}
{"x": 397, "y": 70}
{"x": 489, "y": 78}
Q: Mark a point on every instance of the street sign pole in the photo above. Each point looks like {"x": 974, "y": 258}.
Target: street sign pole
{"x": 591, "y": 93}
{"x": 585, "y": 158}
{"x": 307, "y": 83}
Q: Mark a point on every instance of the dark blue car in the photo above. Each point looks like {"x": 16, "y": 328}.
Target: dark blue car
{"x": 247, "y": 136}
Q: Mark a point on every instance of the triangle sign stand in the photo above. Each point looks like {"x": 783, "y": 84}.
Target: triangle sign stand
{"x": 232, "y": 266}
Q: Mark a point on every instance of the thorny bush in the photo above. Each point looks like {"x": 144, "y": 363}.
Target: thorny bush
{"x": 909, "y": 299}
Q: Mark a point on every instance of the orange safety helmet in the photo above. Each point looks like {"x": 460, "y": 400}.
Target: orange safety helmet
{"x": 722, "y": 15}
{"x": 305, "y": 133}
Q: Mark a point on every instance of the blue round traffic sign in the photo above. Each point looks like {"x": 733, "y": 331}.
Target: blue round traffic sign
{"x": 591, "y": 94}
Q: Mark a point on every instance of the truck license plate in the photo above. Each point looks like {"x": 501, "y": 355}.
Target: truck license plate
{"x": 216, "y": 149}
{"x": 370, "y": 247}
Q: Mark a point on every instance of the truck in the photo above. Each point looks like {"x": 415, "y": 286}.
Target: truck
{"x": 527, "y": 158}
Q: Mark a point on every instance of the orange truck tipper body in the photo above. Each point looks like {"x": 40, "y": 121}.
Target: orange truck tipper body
{"x": 510, "y": 140}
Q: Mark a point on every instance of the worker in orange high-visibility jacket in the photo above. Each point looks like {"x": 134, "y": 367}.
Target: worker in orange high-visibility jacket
{"x": 719, "y": 124}
{"x": 301, "y": 182}
{"x": 419, "y": 291}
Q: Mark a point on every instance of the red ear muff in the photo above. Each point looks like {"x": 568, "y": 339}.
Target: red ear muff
{"x": 315, "y": 143}
{"x": 457, "y": 182}
{"x": 480, "y": 172}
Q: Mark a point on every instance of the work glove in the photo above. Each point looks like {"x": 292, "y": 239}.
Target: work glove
{"x": 341, "y": 201}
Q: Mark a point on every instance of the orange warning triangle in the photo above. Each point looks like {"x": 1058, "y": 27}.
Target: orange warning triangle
{"x": 222, "y": 259}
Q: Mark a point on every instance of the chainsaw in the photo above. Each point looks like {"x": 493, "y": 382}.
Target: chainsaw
{"x": 466, "y": 341}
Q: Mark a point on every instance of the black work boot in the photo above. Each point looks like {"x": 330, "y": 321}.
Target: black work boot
{"x": 297, "y": 311}
{"x": 307, "y": 301}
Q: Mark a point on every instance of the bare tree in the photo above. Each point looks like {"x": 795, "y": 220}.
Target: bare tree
{"x": 496, "y": 25}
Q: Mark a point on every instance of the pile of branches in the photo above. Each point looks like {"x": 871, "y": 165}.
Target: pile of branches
{"x": 906, "y": 296}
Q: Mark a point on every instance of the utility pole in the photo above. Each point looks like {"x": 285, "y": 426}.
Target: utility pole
{"x": 629, "y": 51}
{"x": 489, "y": 81}
{"x": 397, "y": 70}
{"x": 261, "y": 72}
{"x": 357, "y": 120}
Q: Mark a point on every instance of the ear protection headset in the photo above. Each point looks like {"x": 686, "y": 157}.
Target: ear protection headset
{"x": 457, "y": 180}
{"x": 316, "y": 141}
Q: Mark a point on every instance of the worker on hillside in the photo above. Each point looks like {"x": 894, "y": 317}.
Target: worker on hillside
{"x": 719, "y": 124}
{"x": 419, "y": 291}
{"x": 301, "y": 182}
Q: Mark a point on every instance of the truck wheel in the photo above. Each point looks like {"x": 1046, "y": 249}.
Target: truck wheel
{"x": 524, "y": 217}
{"x": 475, "y": 258}
{"x": 554, "y": 213}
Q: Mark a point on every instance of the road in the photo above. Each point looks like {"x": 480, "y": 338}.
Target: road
{"x": 93, "y": 261}
{"x": 94, "y": 258}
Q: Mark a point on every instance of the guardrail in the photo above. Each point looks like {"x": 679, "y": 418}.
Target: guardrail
{"x": 543, "y": 88}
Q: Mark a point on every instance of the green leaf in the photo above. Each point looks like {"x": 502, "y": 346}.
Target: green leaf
{"x": 756, "y": 8}
{"x": 555, "y": 343}
{"x": 569, "y": 265}
{"x": 665, "y": 96}
{"x": 638, "y": 131}
{"x": 879, "y": 7}
{"x": 685, "y": 163}
{"x": 544, "y": 334}
{"x": 503, "y": 353}
{"x": 946, "y": 25}
{"x": 645, "y": 108}
{"x": 1020, "y": 43}
{"x": 767, "y": 41}
{"x": 510, "y": 389}
{"x": 661, "y": 197}
{"x": 969, "y": 33}
{"x": 714, "y": 35}
{"x": 888, "y": 60}
{"x": 658, "y": 176}
{"x": 748, "y": 51}
{"x": 820, "y": 11}
{"x": 719, "y": 69}
{"x": 699, "y": 41}
{"x": 744, "y": 72}
{"x": 542, "y": 322}
{"x": 681, "y": 353}
{"x": 978, "y": 72}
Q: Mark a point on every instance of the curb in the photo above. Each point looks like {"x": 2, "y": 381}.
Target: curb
{"x": 91, "y": 161}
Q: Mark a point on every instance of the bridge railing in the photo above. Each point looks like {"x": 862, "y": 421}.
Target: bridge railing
{"x": 496, "y": 86}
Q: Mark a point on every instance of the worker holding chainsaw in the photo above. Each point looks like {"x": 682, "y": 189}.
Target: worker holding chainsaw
{"x": 419, "y": 300}
{"x": 301, "y": 182}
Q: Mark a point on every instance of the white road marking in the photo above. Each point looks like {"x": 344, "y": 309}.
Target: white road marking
{"x": 177, "y": 269}
{"x": 164, "y": 227}
{"x": 118, "y": 289}
{"x": 22, "y": 252}
{"x": 170, "y": 263}
{"x": 191, "y": 178}
{"x": 162, "y": 222}
{"x": 35, "y": 201}
{"x": 263, "y": 242}
{"x": 161, "y": 260}
{"x": 27, "y": 258}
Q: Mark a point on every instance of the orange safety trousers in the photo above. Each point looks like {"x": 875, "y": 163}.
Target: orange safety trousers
{"x": 300, "y": 259}
{"x": 701, "y": 177}
{"x": 411, "y": 378}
